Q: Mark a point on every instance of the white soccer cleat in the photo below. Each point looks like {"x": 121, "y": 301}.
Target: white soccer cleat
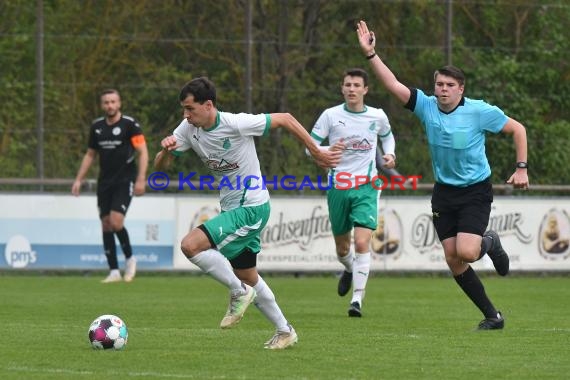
{"x": 130, "y": 269}
{"x": 114, "y": 276}
{"x": 282, "y": 339}
{"x": 237, "y": 307}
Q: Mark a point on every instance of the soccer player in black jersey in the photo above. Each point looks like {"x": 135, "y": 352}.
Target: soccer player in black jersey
{"x": 116, "y": 138}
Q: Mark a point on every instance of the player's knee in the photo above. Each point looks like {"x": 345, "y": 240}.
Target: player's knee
{"x": 106, "y": 224}
{"x": 454, "y": 263}
{"x": 248, "y": 276}
{"x": 116, "y": 225}
{"x": 342, "y": 244}
{"x": 342, "y": 250}
{"x": 362, "y": 244}
{"x": 189, "y": 247}
{"x": 469, "y": 255}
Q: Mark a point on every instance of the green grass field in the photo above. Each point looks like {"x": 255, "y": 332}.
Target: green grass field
{"x": 414, "y": 327}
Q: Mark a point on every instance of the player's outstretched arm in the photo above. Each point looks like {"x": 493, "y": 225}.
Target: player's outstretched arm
{"x": 325, "y": 158}
{"x": 367, "y": 41}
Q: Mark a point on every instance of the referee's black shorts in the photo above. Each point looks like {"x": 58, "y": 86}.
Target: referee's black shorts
{"x": 461, "y": 209}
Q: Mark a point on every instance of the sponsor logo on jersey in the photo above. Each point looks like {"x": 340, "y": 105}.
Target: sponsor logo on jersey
{"x": 363, "y": 144}
{"x": 221, "y": 165}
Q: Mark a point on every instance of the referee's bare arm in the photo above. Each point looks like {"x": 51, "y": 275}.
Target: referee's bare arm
{"x": 519, "y": 179}
{"x": 367, "y": 41}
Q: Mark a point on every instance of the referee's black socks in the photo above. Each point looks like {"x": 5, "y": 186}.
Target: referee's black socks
{"x": 486, "y": 244}
{"x": 469, "y": 282}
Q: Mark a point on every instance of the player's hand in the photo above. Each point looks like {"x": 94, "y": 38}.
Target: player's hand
{"x": 519, "y": 179}
{"x": 140, "y": 186}
{"x": 389, "y": 161}
{"x": 339, "y": 146}
{"x": 328, "y": 158}
{"x": 169, "y": 143}
{"x": 366, "y": 38}
{"x": 76, "y": 188}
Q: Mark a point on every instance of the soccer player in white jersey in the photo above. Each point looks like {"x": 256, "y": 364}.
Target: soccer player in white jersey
{"x": 353, "y": 198}
{"x": 224, "y": 142}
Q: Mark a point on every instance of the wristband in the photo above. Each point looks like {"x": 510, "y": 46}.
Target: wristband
{"x": 371, "y": 56}
{"x": 522, "y": 165}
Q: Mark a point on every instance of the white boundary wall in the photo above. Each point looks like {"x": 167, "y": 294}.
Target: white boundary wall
{"x": 63, "y": 232}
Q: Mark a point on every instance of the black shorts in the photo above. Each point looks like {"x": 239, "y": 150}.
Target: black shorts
{"x": 461, "y": 209}
{"x": 116, "y": 197}
{"x": 245, "y": 260}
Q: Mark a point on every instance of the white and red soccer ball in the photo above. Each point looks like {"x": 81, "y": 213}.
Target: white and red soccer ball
{"x": 108, "y": 332}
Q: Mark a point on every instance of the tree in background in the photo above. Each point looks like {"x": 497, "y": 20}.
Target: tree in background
{"x": 515, "y": 53}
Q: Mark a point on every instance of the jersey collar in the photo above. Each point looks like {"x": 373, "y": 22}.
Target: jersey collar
{"x": 345, "y": 106}
{"x": 461, "y": 103}
{"x": 216, "y": 123}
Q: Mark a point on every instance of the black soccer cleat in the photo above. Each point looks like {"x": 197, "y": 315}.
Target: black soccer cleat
{"x": 492, "y": 323}
{"x": 344, "y": 283}
{"x": 498, "y": 255}
{"x": 354, "y": 310}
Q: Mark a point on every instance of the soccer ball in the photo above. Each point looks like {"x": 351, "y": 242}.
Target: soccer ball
{"x": 108, "y": 332}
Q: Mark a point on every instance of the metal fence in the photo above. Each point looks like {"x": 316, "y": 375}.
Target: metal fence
{"x": 90, "y": 185}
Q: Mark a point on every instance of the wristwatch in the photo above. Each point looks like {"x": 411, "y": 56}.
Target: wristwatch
{"x": 522, "y": 165}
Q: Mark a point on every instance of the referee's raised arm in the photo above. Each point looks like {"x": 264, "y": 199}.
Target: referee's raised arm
{"x": 367, "y": 41}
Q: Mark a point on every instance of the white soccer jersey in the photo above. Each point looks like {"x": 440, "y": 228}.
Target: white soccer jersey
{"x": 228, "y": 150}
{"x": 359, "y": 132}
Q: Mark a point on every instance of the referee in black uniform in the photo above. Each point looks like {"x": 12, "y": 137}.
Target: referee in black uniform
{"x": 116, "y": 138}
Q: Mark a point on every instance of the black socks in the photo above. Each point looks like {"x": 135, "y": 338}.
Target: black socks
{"x": 123, "y": 236}
{"x": 486, "y": 245}
{"x": 110, "y": 250}
{"x": 469, "y": 282}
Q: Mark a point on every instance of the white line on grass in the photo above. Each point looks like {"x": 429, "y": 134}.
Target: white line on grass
{"x": 88, "y": 373}
{"x": 50, "y": 370}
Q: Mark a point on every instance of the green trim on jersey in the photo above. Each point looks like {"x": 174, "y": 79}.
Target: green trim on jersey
{"x": 317, "y": 137}
{"x": 244, "y": 192}
{"x": 216, "y": 123}
{"x": 355, "y": 112}
{"x": 176, "y": 153}
{"x": 387, "y": 134}
{"x": 267, "y": 124}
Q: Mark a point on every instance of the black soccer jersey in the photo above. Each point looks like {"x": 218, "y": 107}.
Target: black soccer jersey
{"x": 116, "y": 152}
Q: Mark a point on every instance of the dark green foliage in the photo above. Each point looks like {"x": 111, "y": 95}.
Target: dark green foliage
{"x": 515, "y": 56}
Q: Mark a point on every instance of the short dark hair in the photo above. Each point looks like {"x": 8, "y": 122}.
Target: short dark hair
{"x": 451, "y": 71}
{"x": 109, "y": 91}
{"x": 202, "y": 89}
{"x": 357, "y": 72}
